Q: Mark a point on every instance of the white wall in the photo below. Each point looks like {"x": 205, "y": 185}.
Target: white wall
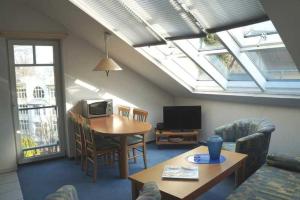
{"x": 15, "y": 16}
{"x": 125, "y": 87}
{"x": 285, "y": 139}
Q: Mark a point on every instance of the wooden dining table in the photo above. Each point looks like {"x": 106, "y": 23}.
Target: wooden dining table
{"x": 115, "y": 125}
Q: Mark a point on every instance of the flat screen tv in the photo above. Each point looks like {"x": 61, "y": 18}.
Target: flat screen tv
{"x": 182, "y": 117}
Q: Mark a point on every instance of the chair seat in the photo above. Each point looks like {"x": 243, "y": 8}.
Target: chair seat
{"x": 229, "y": 146}
{"x": 103, "y": 144}
{"x": 134, "y": 139}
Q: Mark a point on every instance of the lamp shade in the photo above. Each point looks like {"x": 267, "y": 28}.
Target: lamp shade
{"x": 107, "y": 64}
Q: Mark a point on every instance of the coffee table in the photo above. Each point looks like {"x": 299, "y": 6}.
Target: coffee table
{"x": 209, "y": 175}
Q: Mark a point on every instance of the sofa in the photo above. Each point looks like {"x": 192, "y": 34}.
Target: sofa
{"x": 248, "y": 136}
{"x": 149, "y": 191}
{"x": 278, "y": 179}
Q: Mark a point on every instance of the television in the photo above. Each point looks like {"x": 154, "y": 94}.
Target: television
{"x": 182, "y": 117}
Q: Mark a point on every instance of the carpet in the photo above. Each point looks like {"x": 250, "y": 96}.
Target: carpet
{"x": 39, "y": 179}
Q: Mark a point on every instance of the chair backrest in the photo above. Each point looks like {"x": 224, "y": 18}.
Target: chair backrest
{"x": 123, "y": 111}
{"x": 87, "y": 133}
{"x": 140, "y": 115}
{"x": 74, "y": 119}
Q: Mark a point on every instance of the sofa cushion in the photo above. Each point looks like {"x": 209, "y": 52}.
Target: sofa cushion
{"x": 150, "y": 191}
{"x": 229, "y": 146}
{"x": 134, "y": 139}
{"x": 66, "y": 192}
{"x": 284, "y": 162}
{"x": 269, "y": 183}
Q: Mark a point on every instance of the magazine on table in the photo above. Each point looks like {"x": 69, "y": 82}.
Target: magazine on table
{"x": 181, "y": 172}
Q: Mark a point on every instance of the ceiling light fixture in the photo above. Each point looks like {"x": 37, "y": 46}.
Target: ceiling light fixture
{"x": 107, "y": 64}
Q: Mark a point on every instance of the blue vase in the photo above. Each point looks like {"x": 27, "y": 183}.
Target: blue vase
{"x": 214, "y": 144}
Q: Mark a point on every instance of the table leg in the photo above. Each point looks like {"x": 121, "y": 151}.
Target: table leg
{"x": 134, "y": 190}
{"x": 123, "y": 157}
{"x": 240, "y": 174}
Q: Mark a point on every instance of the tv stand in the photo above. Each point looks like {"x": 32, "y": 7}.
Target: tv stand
{"x": 166, "y": 137}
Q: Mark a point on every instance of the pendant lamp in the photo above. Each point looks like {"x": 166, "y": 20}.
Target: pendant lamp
{"x": 107, "y": 64}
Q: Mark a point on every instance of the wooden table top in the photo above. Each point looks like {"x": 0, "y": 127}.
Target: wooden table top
{"x": 209, "y": 174}
{"x": 118, "y": 125}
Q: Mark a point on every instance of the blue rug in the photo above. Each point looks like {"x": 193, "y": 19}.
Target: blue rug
{"x": 39, "y": 179}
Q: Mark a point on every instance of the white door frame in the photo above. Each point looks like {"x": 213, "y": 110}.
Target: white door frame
{"x": 59, "y": 94}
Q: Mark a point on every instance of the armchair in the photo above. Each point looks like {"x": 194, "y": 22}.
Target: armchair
{"x": 248, "y": 136}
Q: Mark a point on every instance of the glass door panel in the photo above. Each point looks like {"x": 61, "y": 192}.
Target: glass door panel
{"x": 37, "y": 110}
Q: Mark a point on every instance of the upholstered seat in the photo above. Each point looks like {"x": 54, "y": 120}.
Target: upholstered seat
{"x": 277, "y": 180}
{"x": 66, "y": 192}
{"x": 102, "y": 144}
{"x": 248, "y": 136}
{"x": 134, "y": 139}
{"x": 149, "y": 191}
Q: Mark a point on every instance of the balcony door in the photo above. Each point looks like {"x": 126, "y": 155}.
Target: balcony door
{"x": 37, "y": 100}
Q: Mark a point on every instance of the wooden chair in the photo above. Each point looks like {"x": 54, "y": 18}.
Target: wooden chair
{"x": 95, "y": 148}
{"x": 124, "y": 111}
{"x": 79, "y": 139}
{"x": 137, "y": 141}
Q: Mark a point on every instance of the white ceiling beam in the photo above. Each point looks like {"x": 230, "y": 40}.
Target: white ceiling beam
{"x": 185, "y": 81}
{"x": 243, "y": 59}
{"x": 205, "y": 65}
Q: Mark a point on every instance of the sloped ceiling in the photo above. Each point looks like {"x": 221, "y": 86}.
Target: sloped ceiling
{"x": 285, "y": 16}
{"x": 79, "y": 23}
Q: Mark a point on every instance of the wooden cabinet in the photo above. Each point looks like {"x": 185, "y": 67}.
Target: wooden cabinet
{"x": 172, "y": 137}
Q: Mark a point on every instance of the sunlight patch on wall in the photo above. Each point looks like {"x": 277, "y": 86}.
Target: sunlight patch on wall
{"x": 117, "y": 100}
{"x": 86, "y": 85}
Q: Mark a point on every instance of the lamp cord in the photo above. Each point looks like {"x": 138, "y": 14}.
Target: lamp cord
{"x": 105, "y": 43}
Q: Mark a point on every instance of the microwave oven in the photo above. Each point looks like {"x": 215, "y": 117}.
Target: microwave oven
{"x": 97, "y": 107}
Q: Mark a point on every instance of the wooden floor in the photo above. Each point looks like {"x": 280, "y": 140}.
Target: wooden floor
{"x": 10, "y": 187}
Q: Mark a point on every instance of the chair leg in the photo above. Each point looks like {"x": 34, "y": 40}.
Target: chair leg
{"x": 114, "y": 156}
{"x": 134, "y": 154}
{"x": 86, "y": 166}
{"x": 145, "y": 155}
{"x": 82, "y": 162}
{"x": 95, "y": 169}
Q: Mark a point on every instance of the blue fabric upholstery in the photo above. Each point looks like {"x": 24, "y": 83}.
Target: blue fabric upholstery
{"x": 66, "y": 192}
{"x": 150, "y": 191}
{"x": 105, "y": 144}
{"x": 252, "y": 137}
{"x": 134, "y": 139}
{"x": 271, "y": 182}
{"x": 284, "y": 162}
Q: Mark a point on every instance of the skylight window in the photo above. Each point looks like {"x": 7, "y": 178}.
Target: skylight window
{"x": 227, "y": 65}
{"x": 263, "y": 45}
{"x": 256, "y": 35}
{"x": 275, "y": 64}
{"x": 248, "y": 59}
